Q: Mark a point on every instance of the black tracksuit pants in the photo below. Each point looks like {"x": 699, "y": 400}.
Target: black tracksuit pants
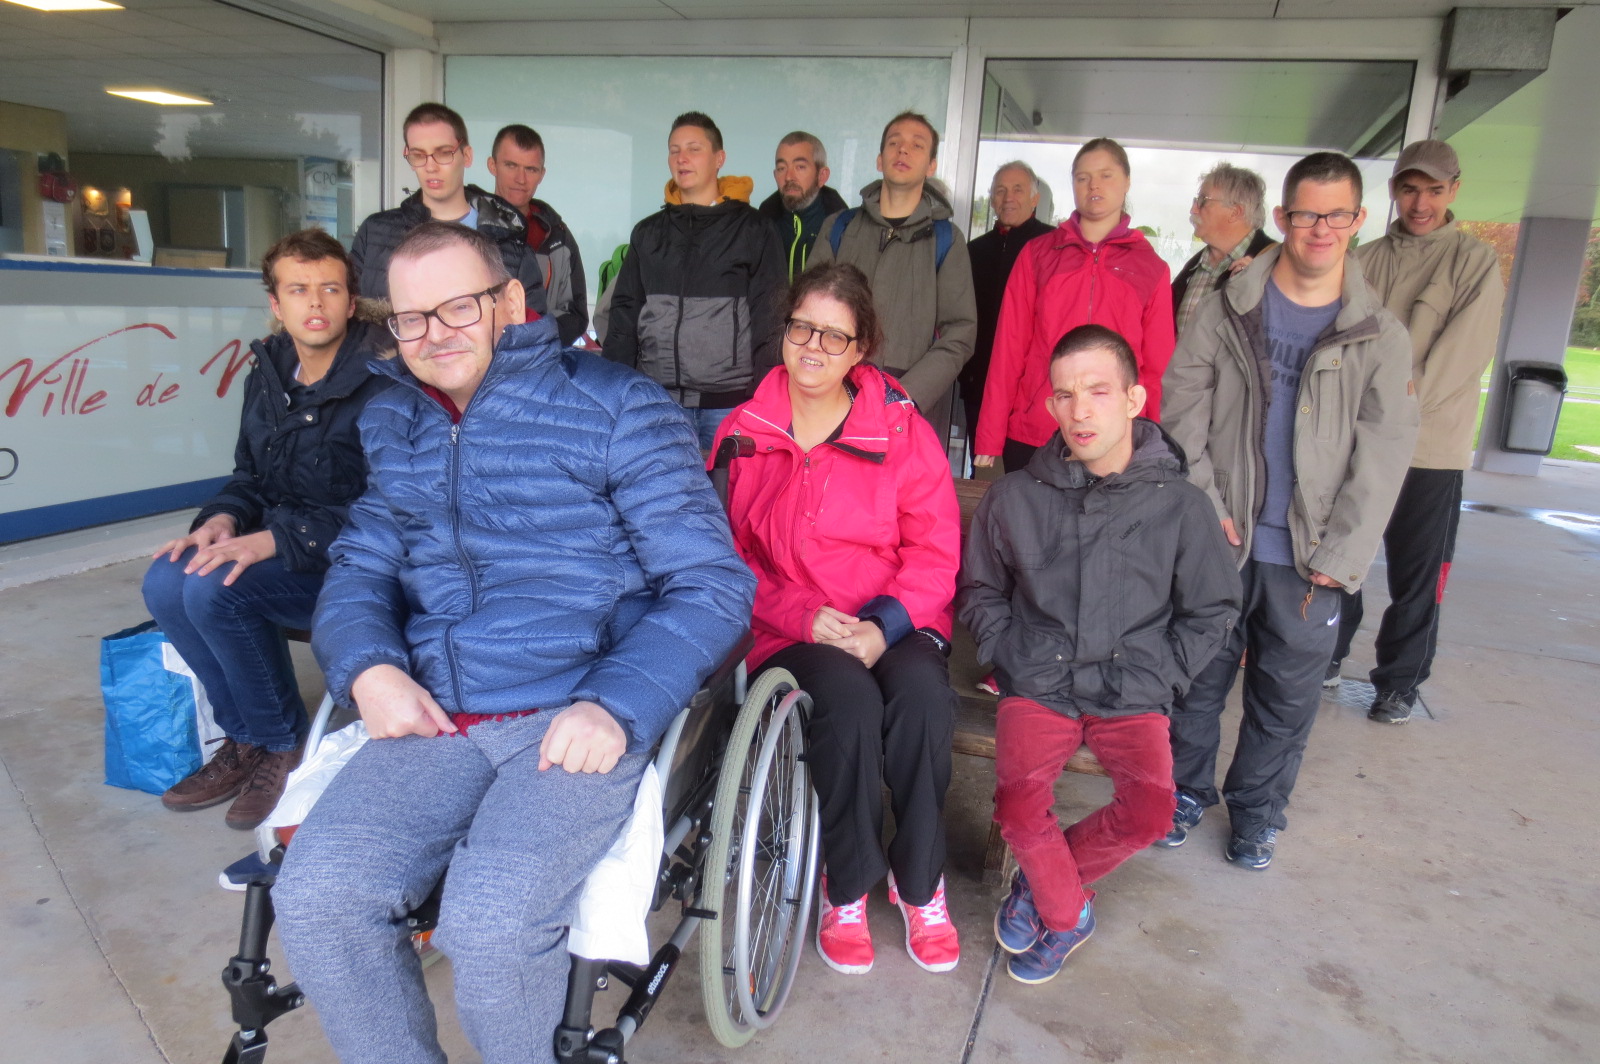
{"x": 1289, "y": 626}
{"x": 1418, "y": 543}
{"x": 892, "y": 725}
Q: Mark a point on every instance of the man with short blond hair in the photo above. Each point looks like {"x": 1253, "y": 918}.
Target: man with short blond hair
{"x": 1445, "y": 287}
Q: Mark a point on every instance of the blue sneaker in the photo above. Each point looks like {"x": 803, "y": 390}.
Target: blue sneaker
{"x": 1184, "y": 818}
{"x": 1253, "y": 852}
{"x": 1016, "y": 925}
{"x": 1043, "y": 960}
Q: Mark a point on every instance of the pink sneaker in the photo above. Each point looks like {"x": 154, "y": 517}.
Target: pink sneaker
{"x": 930, "y": 936}
{"x": 989, "y": 685}
{"x": 843, "y": 940}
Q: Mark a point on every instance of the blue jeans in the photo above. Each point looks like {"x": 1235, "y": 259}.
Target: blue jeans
{"x": 233, "y": 640}
{"x": 706, "y": 422}
{"x": 519, "y": 844}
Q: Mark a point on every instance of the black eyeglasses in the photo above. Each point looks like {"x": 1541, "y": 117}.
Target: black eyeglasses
{"x": 1309, "y": 219}
{"x": 457, "y": 313}
{"x": 832, "y": 341}
{"x": 418, "y": 158}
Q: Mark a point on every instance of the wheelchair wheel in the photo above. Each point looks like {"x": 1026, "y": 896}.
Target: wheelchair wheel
{"x": 760, "y": 870}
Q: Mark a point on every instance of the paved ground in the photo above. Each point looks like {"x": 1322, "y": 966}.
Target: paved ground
{"x": 1434, "y": 899}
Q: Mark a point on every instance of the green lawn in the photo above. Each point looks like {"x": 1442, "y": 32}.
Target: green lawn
{"x": 1580, "y": 422}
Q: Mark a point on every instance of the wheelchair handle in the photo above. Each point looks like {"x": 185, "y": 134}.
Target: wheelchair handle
{"x": 731, "y": 447}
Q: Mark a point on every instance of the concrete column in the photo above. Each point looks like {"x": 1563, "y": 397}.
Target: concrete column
{"x": 412, "y": 76}
{"x": 1563, "y": 189}
{"x": 1538, "y": 317}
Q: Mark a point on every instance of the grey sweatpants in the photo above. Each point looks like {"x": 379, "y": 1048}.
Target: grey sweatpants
{"x": 518, "y": 843}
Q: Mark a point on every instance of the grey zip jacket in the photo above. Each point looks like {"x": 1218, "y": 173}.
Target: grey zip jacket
{"x": 1353, "y": 433}
{"x": 1105, "y": 598}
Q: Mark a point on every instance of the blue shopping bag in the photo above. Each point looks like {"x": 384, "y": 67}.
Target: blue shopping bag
{"x": 151, "y": 735}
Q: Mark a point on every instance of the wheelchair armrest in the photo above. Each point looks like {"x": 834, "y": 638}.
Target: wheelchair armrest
{"x": 735, "y": 658}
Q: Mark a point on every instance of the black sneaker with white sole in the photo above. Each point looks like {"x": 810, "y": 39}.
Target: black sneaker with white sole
{"x": 1389, "y": 709}
{"x": 1330, "y": 679}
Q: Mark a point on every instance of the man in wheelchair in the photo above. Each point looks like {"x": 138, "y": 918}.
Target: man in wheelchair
{"x": 536, "y": 580}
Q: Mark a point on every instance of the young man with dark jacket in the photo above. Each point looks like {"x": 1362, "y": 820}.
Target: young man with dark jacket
{"x": 896, "y": 238}
{"x": 539, "y": 571}
{"x": 1290, "y": 392}
{"x": 437, "y": 149}
{"x": 696, "y": 304}
{"x": 255, "y": 556}
{"x": 803, "y": 198}
{"x": 516, "y": 162}
{"x": 1098, "y": 583}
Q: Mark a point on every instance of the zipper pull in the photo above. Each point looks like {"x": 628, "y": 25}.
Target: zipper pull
{"x": 455, "y": 430}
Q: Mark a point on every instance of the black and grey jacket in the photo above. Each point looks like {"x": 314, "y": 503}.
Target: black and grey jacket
{"x": 498, "y": 220}
{"x": 565, "y": 294}
{"x": 798, "y": 230}
{"x": 1098, "y": 596}
{"x": 298, "y": 464}
{"x": 696, "y": 304}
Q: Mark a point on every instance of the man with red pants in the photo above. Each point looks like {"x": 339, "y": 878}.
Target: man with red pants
{"x": 1098, "y": 583}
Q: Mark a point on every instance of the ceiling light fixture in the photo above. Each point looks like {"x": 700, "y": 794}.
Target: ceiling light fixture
{"x": 160, "y": 96}
{"x": 67, "y": 5}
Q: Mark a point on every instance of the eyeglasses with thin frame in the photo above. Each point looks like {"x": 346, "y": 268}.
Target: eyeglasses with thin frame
{"x": 460, "y": 312}
{"x": 1202, "y": 199}
{"x": 832, "y": 341}
{"x": 417, "y": 158}
{"x": 1309, "y": 219}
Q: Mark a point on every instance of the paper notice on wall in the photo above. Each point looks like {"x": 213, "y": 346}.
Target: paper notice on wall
{"x": 319, "y": 194}
{"x": 55, "y": 228}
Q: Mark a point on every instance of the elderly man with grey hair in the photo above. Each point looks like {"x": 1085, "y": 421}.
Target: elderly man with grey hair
{"x": 803, "y": 199}
{"x": 1228, "y": 215}
{"x": 1014, "y": 195}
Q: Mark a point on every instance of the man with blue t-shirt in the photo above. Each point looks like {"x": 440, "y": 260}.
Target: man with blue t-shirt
{"x": 1291, "y": 394}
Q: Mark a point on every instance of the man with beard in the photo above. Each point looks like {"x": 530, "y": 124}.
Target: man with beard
{"x": 803, "y": 198}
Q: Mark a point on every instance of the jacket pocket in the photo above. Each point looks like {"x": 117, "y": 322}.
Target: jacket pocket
{"x": 1034, "y": 543}
{"x": 1147, "y": 674}
{"x": 714, "y": 350}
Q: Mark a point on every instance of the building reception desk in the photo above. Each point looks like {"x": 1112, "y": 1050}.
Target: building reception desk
{"x": 120, "y": 389}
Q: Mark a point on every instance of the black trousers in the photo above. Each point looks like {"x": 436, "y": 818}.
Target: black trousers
{"x": 892, "y": 725}
{"x": 1289, "y": 626}
{"x": 1419, "y": 544}
{"x": 1016, "y": 454}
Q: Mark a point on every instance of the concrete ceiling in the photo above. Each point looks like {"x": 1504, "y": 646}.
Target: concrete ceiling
{"x": 1240, "y": 105}
{"x": 280, "y": 91}
{"x": 580, "y": 10}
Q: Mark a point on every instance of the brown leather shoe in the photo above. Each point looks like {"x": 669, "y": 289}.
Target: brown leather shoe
{"x": 265, "y": 787}
{"x": 217, "y": 780}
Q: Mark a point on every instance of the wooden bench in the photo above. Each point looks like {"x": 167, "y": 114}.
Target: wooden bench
{"x": 974, "y": 734}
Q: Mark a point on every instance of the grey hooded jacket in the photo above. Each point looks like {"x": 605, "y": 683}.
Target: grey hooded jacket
{"x": 929, "y": 315}
{"x": 1104, "y": 597}
{"x": 1353, "y": 433}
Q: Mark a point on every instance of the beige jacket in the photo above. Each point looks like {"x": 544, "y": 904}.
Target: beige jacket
{"x": 1353, "y": 434}
{"x": 1446, "y": 289}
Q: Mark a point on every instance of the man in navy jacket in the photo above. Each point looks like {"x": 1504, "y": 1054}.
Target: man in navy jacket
{"x": 537, "y": 579}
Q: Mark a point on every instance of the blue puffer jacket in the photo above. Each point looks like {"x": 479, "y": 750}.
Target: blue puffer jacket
{"x": 560, "y": 543}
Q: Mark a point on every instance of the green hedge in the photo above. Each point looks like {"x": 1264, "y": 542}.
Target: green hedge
{"x": 1586, "y": 327}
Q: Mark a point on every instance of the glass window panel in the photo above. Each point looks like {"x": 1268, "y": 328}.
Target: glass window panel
{"x": 605, "y": 121}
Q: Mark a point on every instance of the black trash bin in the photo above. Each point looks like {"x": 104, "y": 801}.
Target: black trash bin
{"x": 1533, "y": 405}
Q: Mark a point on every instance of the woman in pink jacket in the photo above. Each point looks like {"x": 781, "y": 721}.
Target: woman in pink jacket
{"x": 1094, "y": 269}
{"x": 847, "y": 515}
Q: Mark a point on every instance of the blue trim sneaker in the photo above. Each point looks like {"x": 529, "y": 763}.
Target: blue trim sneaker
{"x": 1017, "y": 925}
{"x": 1184, "y": 819}
{"x": 1043, "y": 960}
{"x": 1255, "y": 852}
{"x": 247, "y": 870}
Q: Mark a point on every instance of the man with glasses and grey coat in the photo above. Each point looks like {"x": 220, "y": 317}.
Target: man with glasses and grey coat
{"x": 1290, "y": 392}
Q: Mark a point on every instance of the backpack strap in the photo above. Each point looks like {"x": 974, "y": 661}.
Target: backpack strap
{"x": 944, "y": 235}
{"x": 836, "y": 234}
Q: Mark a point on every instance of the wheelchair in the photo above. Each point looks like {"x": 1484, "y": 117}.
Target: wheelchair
{"x": 740, "y": 858}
